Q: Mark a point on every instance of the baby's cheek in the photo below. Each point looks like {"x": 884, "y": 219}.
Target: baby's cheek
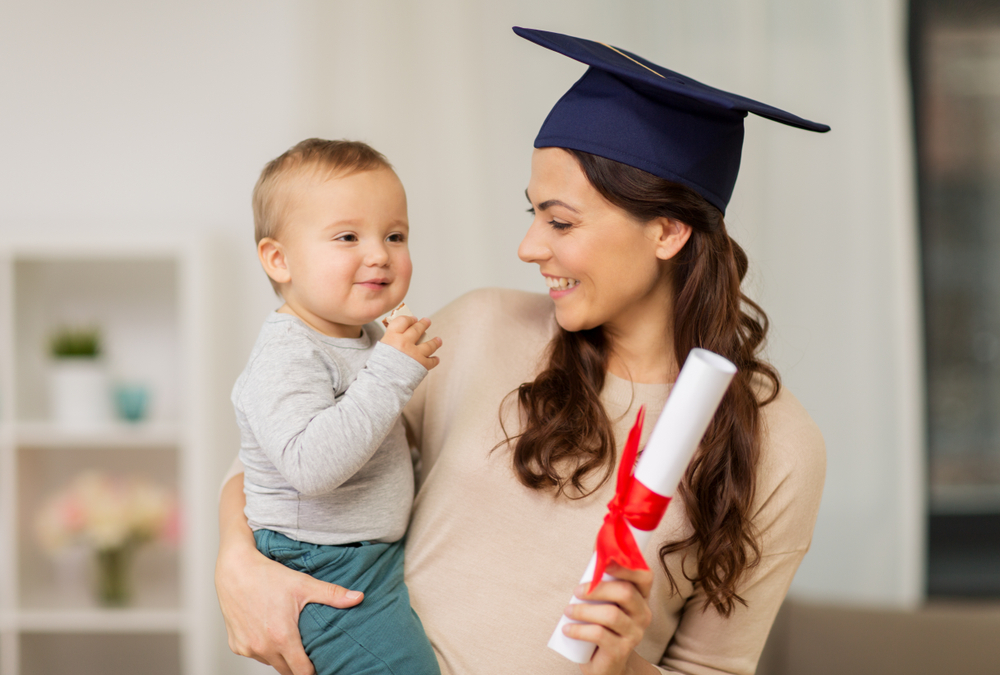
{"x": 404, "y": 268}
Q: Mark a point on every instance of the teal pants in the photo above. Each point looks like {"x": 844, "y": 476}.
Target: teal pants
{"x": 382, "y": 635}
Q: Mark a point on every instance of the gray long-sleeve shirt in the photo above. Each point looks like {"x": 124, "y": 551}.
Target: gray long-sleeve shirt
{"x": 322, "y": 440}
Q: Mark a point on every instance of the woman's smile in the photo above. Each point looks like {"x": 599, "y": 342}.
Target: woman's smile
{"x": 560, "y": 286}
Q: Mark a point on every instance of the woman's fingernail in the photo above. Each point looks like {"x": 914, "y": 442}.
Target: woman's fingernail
{"x": 353, "y": 595}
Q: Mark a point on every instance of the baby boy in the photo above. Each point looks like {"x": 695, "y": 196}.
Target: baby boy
{"x": 329, "y": 476}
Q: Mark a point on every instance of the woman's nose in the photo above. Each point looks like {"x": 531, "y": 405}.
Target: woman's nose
{"x": 533, "y": 248}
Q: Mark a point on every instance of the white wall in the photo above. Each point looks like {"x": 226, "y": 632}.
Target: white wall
{"x": 151, "y": 120}
{"x": 139, "y": 119}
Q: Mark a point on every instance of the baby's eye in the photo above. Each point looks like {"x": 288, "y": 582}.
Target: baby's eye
{"x": 396, "y": 238}
{"x": 346, "y": 237}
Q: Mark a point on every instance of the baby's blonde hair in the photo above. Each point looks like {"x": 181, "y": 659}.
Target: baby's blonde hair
{"x": 313, "y": 155}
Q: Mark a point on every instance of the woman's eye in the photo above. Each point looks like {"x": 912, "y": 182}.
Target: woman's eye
{"x": 558, "y": 225}
{"x": 531, "y": 210}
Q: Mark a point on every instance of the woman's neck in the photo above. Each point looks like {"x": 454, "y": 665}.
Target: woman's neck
{"x": 643, "y": 354}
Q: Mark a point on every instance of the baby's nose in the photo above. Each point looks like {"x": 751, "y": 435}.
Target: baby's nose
{"x": 377, "y": 254}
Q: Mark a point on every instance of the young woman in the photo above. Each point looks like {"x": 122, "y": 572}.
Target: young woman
{"x": 520, "y": 425}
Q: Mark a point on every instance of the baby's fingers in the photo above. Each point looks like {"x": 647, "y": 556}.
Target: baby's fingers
{"x": 426, "y": 350}
{"x": 430, "y": 346}
{"x": 418, "y": 329}
{"x": 402, "y": 323}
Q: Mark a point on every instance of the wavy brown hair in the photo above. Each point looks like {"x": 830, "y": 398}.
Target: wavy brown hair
{"x": 567, "y": 435}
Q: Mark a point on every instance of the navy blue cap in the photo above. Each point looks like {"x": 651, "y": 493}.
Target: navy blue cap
{"x": 630, "y": 110}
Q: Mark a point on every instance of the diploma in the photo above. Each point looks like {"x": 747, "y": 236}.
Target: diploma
{"x": 641, "y": 499}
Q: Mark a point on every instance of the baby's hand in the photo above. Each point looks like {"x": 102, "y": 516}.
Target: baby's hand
{"x": 404, "y": 333}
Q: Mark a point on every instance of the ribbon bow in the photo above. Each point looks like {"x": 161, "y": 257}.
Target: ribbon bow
{"x": 633, "y": 504}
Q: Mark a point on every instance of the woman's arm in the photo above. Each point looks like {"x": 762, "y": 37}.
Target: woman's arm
{"x": 261, "y": 599}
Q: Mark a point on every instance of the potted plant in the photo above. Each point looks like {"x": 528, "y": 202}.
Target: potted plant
{"x": 79, "y": 391}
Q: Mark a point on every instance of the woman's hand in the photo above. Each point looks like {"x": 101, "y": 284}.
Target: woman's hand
{"x": 261, "y": 599}
{"x": 617, "y": 626}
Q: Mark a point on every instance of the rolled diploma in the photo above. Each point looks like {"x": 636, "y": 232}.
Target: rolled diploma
{"x": 692, "y": 403}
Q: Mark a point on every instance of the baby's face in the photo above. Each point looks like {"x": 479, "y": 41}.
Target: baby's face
{"x": 346, "y": 247}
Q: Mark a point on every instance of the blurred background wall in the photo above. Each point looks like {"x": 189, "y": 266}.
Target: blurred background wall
{"x": 151, "y": 121}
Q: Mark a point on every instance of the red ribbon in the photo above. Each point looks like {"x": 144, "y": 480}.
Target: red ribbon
{"x": 633, "y": 504}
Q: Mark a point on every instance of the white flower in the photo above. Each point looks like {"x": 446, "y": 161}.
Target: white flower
{"x": 105, "y": 511}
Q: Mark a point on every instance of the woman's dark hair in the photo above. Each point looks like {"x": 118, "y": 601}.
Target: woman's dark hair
{"x": 567, "y": 435}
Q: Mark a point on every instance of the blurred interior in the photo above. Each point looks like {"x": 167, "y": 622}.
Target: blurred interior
{"x": 132, "y": 135}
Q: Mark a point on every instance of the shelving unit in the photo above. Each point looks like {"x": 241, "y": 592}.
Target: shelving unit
{"x": 145, "y": 299}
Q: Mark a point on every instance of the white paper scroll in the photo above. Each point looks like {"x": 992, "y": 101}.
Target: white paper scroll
{"x": 692, "y": 403}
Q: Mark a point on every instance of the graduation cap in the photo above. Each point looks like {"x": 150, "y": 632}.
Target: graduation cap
{"x": 630, "y": 110}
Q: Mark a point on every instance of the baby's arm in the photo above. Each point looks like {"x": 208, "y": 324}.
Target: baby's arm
{"x": 314, "y": 439}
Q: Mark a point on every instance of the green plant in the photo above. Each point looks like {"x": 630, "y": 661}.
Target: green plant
{"x": 68, "y": 342}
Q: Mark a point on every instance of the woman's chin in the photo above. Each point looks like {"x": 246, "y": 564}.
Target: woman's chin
{"x": 573, "y": 324}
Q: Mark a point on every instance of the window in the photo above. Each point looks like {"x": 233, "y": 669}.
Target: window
{"x": 955, "y": 57}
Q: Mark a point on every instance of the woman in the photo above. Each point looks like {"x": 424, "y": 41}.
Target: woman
{"x": 630, "y": 178}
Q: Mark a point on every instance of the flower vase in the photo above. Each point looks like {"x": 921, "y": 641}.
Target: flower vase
{"x": 114, "y": 582}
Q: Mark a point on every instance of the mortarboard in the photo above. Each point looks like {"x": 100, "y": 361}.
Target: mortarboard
{"x": 630, "y": 110}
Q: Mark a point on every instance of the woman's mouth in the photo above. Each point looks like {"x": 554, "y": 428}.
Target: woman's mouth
{"x": 561, "y": 283}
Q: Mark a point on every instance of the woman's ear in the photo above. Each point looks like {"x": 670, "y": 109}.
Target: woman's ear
{"x": 671, "y": 235}
{"x": 272, "y": 259}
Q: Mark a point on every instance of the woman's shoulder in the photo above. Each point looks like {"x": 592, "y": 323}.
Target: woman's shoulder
{"x": 495, "y": 311}
{"x": 791, "y": 473}
{"x": 790, "y": 433}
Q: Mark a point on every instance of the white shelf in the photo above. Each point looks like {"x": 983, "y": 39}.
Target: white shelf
{"x": 148, "y": 301}
{"x": 100, "y": 621}
{"x": 113, "y": 435}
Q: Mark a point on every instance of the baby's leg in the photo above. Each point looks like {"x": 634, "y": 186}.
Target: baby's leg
{"x": 380, "y": 636}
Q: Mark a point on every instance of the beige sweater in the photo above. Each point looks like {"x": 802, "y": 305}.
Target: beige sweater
{"x": 491, "y": 564}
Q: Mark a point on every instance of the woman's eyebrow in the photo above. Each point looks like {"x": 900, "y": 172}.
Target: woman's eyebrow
{"x": 548, "y": 204}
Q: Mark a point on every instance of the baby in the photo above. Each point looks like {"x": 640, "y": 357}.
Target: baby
{"x": 329, "y": 476}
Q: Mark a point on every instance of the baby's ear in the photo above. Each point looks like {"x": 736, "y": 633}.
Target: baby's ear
{"x": 272, "y": 259}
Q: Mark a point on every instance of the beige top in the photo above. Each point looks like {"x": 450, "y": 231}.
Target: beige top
{"x": 491, "y": 564}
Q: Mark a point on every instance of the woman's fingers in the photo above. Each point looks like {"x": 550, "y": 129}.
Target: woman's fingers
{"x": 604, "y": 616}
{"x": 282, "y": 666}
{"x": 296, "y": 662}
{"x": 643, "y": 579}
{"x": 263, "y": 624}
{"x": 324, "y": 593}
{"x": 615, "y": 621}
{"x": 286, "y": 636}
{"x": 628, "y": 592}
{"x": 261, "y": 607}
